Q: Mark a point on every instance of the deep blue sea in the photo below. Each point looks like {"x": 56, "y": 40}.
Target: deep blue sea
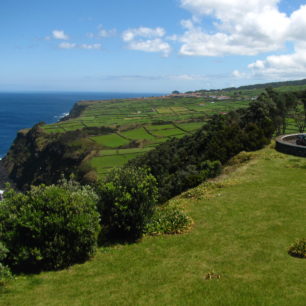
{"x": 23, "y": 110}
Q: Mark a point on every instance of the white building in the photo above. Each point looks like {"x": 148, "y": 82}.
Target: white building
{"x": 1, "y": 195}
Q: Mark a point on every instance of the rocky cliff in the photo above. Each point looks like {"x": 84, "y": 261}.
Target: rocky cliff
{"x": 38, "y": 157}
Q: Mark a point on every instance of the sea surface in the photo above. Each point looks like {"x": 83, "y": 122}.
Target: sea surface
{"x": 23, "y": 110}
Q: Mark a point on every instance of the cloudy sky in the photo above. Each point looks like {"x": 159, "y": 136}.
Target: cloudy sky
{"x": 149, "y": 45}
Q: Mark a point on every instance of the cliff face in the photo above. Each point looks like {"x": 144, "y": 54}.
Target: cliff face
{"x": 77, "y": 110}
{"x": 37, "y": 157}
{"x": 3, "y": 175}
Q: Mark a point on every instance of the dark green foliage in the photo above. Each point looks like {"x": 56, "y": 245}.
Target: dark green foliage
{"x": 168, "y": 220}
{"x": 49, "y": 227}
{"x": 299, "y": 111}
{"x": 265, "y": 85}
{"x": 298, "y": 249}
{"x": 127, "y": 199}
{"x": 5, "y": 272}
{"x": 183, "y": 163}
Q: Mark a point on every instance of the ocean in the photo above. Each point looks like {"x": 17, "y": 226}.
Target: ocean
{"x": 23, "y": 110}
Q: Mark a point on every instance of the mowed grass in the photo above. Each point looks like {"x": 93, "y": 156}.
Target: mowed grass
{"x": 244, "y": 223}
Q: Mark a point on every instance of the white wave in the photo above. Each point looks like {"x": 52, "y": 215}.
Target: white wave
{"x": 61, "y": 116}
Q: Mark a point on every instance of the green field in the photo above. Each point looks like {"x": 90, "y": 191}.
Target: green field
{"x": 110, "y": 140}
{"x": 244, "y": 222}
{"x": 139, "y": 133}
{"x": 142, "y": 124}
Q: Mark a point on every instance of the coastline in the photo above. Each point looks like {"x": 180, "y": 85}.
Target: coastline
{"x": 73, "y": 100}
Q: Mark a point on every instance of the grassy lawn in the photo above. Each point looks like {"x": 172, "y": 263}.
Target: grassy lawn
{"x": 244, "y": 223}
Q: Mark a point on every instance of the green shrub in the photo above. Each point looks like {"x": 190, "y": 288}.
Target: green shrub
{"x": 298, "y": 249}
{"x": 49, "y": 227}
{"x": 5, "y": 272}
{"x": 168, "y": 220}
{"x": 127, "y": 199}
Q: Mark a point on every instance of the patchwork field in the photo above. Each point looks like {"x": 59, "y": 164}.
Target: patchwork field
{"x": 143, "y": 123}
{"x": 140, "y": 124}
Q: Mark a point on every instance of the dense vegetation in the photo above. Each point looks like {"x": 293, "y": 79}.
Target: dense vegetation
{"x": 183, "y": 163}
{"x": 36, "y": 157}
{"x": 5, "y": 272}
{"x": 126, "y": 205}
{"x": 49, "y": 227}
{"x": 265, "y": 85}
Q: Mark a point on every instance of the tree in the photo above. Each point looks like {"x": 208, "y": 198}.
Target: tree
{"x": 127, "y": 198}
{"x": 299, "y": 111}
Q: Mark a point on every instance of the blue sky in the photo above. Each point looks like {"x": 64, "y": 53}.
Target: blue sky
{"x": 149, "y": 46}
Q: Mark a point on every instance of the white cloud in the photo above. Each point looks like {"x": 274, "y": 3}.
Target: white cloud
{"x": 67, "y": 45}
{"x": 90, "y": 46}
{"x": 102, "y": 33}
{"x": 241, "y": 27}
{"x": 298, "y": 24}
{"x": 282, "y": 66}
{"x": 188, "y": 77}
{"x": 131, "y": 34}
{"x": 154, "y": 45}
{"x": 238, "y": 74}
{"x": 106, "y": 33}
{"x": 147, "y": 39}
{"x": 59, "y": 34}
{"x": 247, "y": 27}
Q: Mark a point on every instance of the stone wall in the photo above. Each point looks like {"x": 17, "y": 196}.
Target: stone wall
{"x": 286, "y": 144}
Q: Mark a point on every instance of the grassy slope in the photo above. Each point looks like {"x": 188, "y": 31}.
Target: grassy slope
{"x": 244, "y": 223}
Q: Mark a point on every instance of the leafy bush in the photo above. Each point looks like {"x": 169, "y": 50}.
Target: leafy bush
{"x": 168, "y": 220}
{"x": 127, "y": 199}
{"x": 49, "y": 227}
{"x": 5, "y": 272}
{"x": 298, "y": 249}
